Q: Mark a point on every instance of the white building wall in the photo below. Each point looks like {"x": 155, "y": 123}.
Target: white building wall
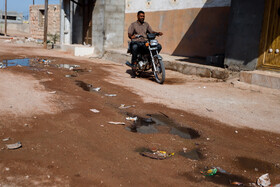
{"x": 133, "y": 6}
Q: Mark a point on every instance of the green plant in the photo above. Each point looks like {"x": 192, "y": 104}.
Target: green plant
{"x": 54, "y": 38}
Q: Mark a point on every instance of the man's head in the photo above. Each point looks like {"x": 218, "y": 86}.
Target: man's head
{"x": 141, "y": 16}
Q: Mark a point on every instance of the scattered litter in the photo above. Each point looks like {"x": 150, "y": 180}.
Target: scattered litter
{"x": 68, "y": 66}
{"x": 236, "y": 132}
{"x": 207, "y": 139}
{"x": 159, "y": 155}
{"x": 96, "y": 89}
{"x": 125, "y": 107}
{"x": 264, "y": 180}
{"x": 50, "y": 73}
{"x": 7, "y": 41}
{"x": 14, "y": 146}
{"x": 185, "y": 149}
{"x": 68, "y": 76}
{"x": 111, "y": 95}
{"x": 220, "y": 170}
{"x": 53, "y": 92}
{"x": 237, "y": 183}
{"x": 7, "y": 169}
{"x": 210, "y": 172}
{"x": 6, "y": 139}
{"x": 131, "y": 119}
{"x": 204, "y": 86}
{"x": 116, "y": 123}
{"x": 94, "y": 110}
{"x": 2, "y": 66}
{"x": 277, "y": 185}
{"x": 26, "y": 125}
{"x": 101, "y": 125}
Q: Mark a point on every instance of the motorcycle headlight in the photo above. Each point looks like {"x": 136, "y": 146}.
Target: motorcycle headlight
{"x": 154, "y": 42}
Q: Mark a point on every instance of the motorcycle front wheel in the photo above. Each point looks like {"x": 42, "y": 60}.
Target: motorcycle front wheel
{"x": 160, "y": 70}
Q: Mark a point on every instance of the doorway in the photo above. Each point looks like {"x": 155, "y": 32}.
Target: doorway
{"x": 87, "y": 25}
{"x": 270, "y": 39}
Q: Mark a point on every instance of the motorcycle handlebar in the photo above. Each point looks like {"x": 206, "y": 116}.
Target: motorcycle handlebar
{"x": 139, "y": 36}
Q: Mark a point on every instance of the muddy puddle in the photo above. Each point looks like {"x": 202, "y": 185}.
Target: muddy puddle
{"x": 161, "y": 123}
{"x": 15, "y": 62}
{"x": 83, "y": 85}
{"x": 229, "y": 180}
{"x": 194, "y": 154}
{"x": 255, "y": 165}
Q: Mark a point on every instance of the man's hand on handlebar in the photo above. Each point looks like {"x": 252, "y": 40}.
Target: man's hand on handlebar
{"x": 159, "y": 33}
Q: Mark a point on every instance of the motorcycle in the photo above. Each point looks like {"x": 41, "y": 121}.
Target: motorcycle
{"x": 149, "y": 59}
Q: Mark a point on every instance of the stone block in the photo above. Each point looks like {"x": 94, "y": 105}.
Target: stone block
{"x": 203, "y": 72}
{"x": 219, "y": 73}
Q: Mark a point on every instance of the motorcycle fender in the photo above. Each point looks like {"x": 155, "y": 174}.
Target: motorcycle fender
{"x": 159, "y": 57}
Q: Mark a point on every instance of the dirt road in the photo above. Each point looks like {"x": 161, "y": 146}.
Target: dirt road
{"x": 204, "y": 122}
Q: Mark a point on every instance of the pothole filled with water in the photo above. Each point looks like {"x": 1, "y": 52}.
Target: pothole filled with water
{"x": 194, "y": 154}
{"x": 15, "y": 62}
{"x": 160, "y": 123}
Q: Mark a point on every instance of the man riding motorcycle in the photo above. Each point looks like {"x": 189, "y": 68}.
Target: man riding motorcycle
{"x": 136, "y": 29}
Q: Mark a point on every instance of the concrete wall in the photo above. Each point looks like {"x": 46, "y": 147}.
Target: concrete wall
{"x": 107, "y": 25}
{"x": 190, "y": 27}
{"x": 15, "y": 27}
{"x": 243, "y": 40}
{"x": 37, "y": 29}
{"x": 114, "y": 23}
{"x": 98, "y": 27}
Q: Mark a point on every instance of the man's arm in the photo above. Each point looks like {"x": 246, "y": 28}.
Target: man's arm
{"x": 150, "y": 30}
{"x": 130, "y": 32}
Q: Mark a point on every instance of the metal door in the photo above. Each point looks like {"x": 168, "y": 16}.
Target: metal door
{"x": 270, "y": 41}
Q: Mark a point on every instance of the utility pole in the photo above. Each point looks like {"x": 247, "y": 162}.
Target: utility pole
{"x": 46, "y": 24}
{"x": 33, "y": 2}
{"x": 5, "y": 17}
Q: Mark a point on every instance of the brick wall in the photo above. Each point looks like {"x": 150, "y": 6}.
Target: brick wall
{"x": 36, "y": 14}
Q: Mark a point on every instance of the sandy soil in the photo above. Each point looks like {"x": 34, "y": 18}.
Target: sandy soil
{"x": 207, "y": 97}
{"x": 72, "y": 146}
{"x": 22, "y": 95}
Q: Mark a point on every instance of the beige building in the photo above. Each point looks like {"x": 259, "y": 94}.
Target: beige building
{"x": 37, "y": 18}
{"x": 190, "y": 27}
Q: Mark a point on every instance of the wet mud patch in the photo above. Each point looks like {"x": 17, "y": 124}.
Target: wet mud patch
{"x": 194, "y": 154}
{"x": 83, "y": 85}
{"x": 224, "y": 179}
{"x": 256, "y": 165}
{"x": 87, "y": 87}
{"x": 174, "y": 81}
{"x": 161, "y": 123}
{"x": 229, "y": 180}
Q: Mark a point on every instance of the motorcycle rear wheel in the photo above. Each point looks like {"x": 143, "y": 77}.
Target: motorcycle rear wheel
{"x": 160, "y": 73}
